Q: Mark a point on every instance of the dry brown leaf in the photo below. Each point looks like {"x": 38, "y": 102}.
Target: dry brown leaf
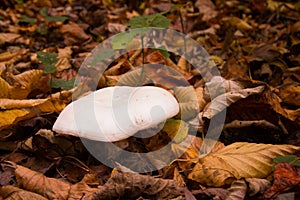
{"x": 222, "y": 101}
{"x": 178, "y": 178}
{"x": 237, "y": 190}
{"x": 8, "y": 37}
{"x": 64, "y": 56}
{"x": 130, "y": 186}
{"x": 207, "y": 8}
{"x": 286, "y": 176}
{"x": 9, "y": 192}
{"x": 73, "y": 34}
{"x": 53, "y": 188}
{"x": 257, "y": 185}
{"x": 238, "y": 160}
{"x": 290, "y": 94}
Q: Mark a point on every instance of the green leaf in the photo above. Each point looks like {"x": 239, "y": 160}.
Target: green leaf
{"x": 159, "y": 21}
{"x": 286, "y": 159}
{"x": 56, "y": 18}
{"x": 297, "y": 163}
{"x": 63, "y": 84}
{"x": 121, "y": 40}
{"x": 102, "y": 55}
{"x": 156, "y": 20}
{"x": 44, "y": 11}
{"x": 26, "y": 19}
{"x": 163, "y": 51}
{"x": 49, "y": 69}
{"x": 47, "y": 58}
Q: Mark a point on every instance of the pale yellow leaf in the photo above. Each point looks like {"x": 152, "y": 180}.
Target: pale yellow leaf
{"x": 188, "y": 102}
{"x": 9, "y": 117}
{"x": 236, "y": 161}
{"x": 5, "y": 89}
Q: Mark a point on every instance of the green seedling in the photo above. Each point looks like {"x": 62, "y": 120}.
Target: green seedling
{"x": 291, "y": 159}
{"x": 49, "y": 60}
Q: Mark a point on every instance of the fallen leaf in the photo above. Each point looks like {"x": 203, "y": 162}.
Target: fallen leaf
{"x": 223, "y": 101}
{"x": 64, "y": 57}
{"x": 13, "y": 111}
{"x": 22, "y": 84}
{"x": 286, "y": 176}
{"x": 257, "y": 185}
{"x": 51, "y": 188}
{"x": 290, "y": 94}
{"x": 236, "y": 161}
{"x": 207, "y": 8}
{"x": 130, "y": 186}
{"x": 11, "y": 192}
{"x": 188, "y": 102}
{"x": 237, "y": 190}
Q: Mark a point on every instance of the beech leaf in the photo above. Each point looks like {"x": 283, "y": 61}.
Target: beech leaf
{"x": 236, "y": 161}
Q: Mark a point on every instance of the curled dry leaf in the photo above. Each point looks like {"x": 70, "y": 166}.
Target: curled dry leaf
{"x": 22, "y": 84}
{"x": 237, "y": 190}
{"x": 257, "y": 185}
{"x": 13, "y": 111}
{"x": 290, "y": 94}
{"x": 221, "y": 102}
{"x": 11, "y": 192}
{"x": 52, "y": 188}
{"x": 286, "y": 176}
{"x": 238, "y": 160}
{"x": 131, "y": 186}
{"x": 64, "y": 56}
{"x": 188, "y": 102}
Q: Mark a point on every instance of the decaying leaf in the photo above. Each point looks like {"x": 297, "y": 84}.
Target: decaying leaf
{"x": 257, "y": 185}
{"x": 188, "y": 102}
{"x": 286, "y": 176}
{"x": 51, "y": 188}
{"x": 238, "y": 160}
{"x": 177, "y": 130}
{"x": 290, "y": 94}
{"x": 225, "y": 100}
{"x": 10, "y": 192}
{"x": 22, "y": 84}
{"x": 129, "y": 186}
{"x": 237, "y": 190}
{"x": 13, "y": 111}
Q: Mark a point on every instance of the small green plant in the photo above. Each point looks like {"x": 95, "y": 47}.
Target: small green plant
{"x": 49, "y": 60}
{"x": 43, "y": 25}
{"x": 139, "y": 25}
{"x": 291, "y": 159}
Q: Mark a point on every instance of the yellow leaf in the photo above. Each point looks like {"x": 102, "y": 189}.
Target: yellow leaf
{"x": 9, "y": 117}
{"x": 176, "y": 129}
{"x": 238, "y": 160}
{"x": 12, "y": 111}
{"x": 5, "y": 89}
{"x": 290, "y": 94}
{"x": 22, "y": 84}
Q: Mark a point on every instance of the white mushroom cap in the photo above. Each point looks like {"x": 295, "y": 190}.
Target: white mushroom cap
{"x": 116, "y": 113}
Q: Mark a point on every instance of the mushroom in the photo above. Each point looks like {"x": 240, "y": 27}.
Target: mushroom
{"x": 116, "y": 113}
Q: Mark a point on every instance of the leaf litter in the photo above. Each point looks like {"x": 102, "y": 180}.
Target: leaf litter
{"x": 255, "y": 46}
